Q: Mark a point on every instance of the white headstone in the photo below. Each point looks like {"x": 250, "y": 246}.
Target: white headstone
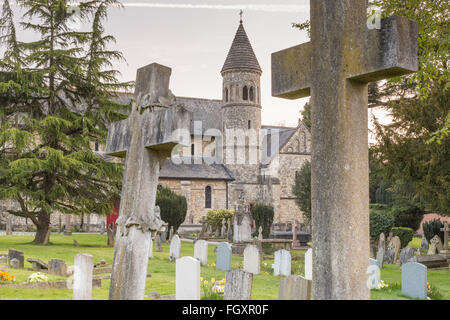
{"x": 374, "y": 274}
{"x": 82, "y": 277}
{"x": 308, "y": 264}
{"x": 175, "y": 248}
{"x": 187, "y": 278}
{"x": 282, "y": 263}
{"x": 251, "y": 259}
{"x": 414, "y": 280}
{"x": 201, "y": 252}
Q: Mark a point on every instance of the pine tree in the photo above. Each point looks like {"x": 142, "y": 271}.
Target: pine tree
{"x": 56, "y": 100}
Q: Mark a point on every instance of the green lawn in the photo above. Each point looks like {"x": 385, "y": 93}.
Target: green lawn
{"x": 265, "y": 286}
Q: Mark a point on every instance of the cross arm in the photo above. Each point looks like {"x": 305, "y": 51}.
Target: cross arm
{"x": 369, "y": 55}
{"x": 158, "y": 130}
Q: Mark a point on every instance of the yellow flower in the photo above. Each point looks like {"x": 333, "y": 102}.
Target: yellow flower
{"x": 201, "y": 278}
{"x": 213, "y": 280}
{"x": 205, "y": 282}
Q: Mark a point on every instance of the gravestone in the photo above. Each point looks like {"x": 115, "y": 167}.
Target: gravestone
{"x": 15, "y": 263}
{"x": 16, "y": 254}
{"x": 175, "y": 248}
{"x": 171, "y": 233}
{"x": 150, "y": 249}
{"x": 37, "y": 264}
{"x": 145, "y": 140}
{"x": 201, "y": 251}
{"x": 252, "y": 259}
{"x": 414, "y": 280}
{"x": 58, "y": 267}
{"x": 229, "y": 231}
{"x": 424, "y": 243}
{"x": 3, "y": 259}
{"x": 238, "y": 285}
{"x": 381, "y": 250}
{"x": 435, "y": 245}
{"x": 223, "y": 257}
{"x": 344, "y": 55}
{"x": 9, "y": 230}
{"x": 295, "y": 242}
{"x": 260, "y": 236}
{"x": 294, "y": 288}
{"x": 392, "y": 250}
{"x": 242, "y": 221}
{"x": 158, "y": 243}
{"x": 282, "y": 263}
{"x": 187, "y": 278}
{"x": 431, "y": 261}
{"x": 405, "y": 254}
{"x": 67, "y": 225}
{"x": 308, "y": 264}
{"x": 82, "y": 277}
{"x": 223, "y": 229}
{"x": 164, "y": 236}
{"x": 374, "y": 274}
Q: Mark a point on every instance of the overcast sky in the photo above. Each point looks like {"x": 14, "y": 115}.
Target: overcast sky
{"x": 193, "y": 38}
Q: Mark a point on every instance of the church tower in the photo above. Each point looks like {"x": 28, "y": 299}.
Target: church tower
{"x": 241, "y": 110}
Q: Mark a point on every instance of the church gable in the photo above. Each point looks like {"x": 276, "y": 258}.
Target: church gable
{"x": 299, "y": 142}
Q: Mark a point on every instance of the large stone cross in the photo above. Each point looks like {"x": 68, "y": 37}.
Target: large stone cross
{"x": 334, "y": 68}
{"x": 146, "y": 138}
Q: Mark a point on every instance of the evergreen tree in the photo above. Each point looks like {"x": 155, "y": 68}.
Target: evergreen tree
{"x": 302, "y": 190}
{"x": 55, "y": 101}
{"x": 306, "y": 115}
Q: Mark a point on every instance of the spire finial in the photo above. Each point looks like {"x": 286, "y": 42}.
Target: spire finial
{"x": 241, "y": 13}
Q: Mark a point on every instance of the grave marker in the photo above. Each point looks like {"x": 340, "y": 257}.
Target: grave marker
{"x": 224, "y": 256}
{"x": 187, "y": 278}
{"x": 145, "y": 139}
{"x": 294, "y": 288}
{"x": 308, "y": 264}
{"x": 335, "y": 68}
{"x": 414, "y": 280}
{"x": 282, "y": 263}
{"x": 82, "y": 277}
{"x": 201, "y": 252}
{"x": 238, "y": 285}
{"x": 175, "y": 248}
{"x": 252, "y": 259}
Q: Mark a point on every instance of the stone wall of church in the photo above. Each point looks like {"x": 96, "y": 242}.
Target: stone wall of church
{"x": 194, "y": 191}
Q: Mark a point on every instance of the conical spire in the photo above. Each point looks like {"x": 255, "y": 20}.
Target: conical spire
{"x": 241, "y": 55}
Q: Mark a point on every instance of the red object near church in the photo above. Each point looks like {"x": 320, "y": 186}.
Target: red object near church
{"x": 112, "y": 217}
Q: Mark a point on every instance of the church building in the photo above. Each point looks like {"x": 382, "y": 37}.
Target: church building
{"x": 278, "y": 152}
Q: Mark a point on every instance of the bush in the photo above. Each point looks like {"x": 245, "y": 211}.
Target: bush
{"x": 405, "y": 235}
{"x": 383, "y": 196}
{"x": 408, "y": 216}
{"x": 381, "y": 220}
{"x": 263, "y": 216}
{"x": 432, "y": 228}
{"x": 173, "y": 207}
{"x": 215, "y": 217}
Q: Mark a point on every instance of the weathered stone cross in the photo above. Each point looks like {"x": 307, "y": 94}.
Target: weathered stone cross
{"x": 145, "y": 139}
{"x": 334, "y": 68}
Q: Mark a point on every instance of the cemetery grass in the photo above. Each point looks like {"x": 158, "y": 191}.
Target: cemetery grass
{"x": 162, "y": 280}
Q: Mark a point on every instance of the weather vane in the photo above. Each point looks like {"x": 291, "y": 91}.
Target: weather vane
{"x": 241, "y": 13}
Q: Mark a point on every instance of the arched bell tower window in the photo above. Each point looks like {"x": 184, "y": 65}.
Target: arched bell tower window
{"x": 192, "y": 149}
{"x": 245, "y": 93}
{"x": 226, "y": 95}
{"x": 208, "y": 197}
{"x": 252, "y": 94}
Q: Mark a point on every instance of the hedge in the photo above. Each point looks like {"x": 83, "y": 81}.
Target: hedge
{"x": 215, "y": 217}
{"x": 381, "y": 220}
{"x": 263, "y": 215}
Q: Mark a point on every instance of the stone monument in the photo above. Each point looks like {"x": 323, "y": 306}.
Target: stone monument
{"x": 145, "y": 139}
{"x": 344, "y": 55}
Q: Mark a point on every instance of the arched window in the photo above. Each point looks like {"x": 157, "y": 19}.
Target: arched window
{"x": 252, "y": 94}
{"x": 208, "y": 197}
{"x": 226, "y": 95}
{"x": 249, "y": 124}
{"x": 192, "y": 149}
{"x": 245, "y": 93}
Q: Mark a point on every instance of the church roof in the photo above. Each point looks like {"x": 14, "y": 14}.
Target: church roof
{"x": 241, "y": 55}
{"x": 195, "y": 171}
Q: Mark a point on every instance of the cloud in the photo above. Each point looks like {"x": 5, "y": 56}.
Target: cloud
{"x": 250, "y": 7}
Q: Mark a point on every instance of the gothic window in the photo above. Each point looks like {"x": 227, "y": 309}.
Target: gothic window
{"x": 208, "y": 197}
{"x": 249, "y": 124}
{"x": 192, "y": 149}
{"x": 226, "y": 95}
{"x": 245, "y": 93}
{"x": 252, "y": 94}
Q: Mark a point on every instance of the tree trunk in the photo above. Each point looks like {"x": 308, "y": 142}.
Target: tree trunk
{"x": 43, "y": 228}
